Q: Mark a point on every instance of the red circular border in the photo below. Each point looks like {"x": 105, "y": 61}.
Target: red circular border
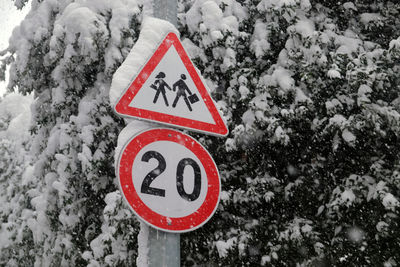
{"x": 171, "y": 224}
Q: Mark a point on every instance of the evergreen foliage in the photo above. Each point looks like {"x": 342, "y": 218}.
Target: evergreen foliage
{"x": 310, "y": 170}
{"x": 15, "y": 182}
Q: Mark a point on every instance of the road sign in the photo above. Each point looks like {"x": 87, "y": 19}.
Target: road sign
{"x": 169, "y": 180}
{"x": 169, "y": 90}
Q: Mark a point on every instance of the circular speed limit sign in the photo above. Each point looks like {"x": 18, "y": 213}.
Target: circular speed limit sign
{"x": 169, "y": 180}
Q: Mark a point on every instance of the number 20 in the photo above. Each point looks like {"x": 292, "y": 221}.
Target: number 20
{"x": 151, "y": 176}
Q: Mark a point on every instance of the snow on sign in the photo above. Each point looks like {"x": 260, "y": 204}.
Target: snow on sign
{"x": 169, "y": 90}
{"x": 169, "y": 180}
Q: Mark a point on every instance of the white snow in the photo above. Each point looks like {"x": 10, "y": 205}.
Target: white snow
{"x": 28, "y": 176}
{"x": 306, "y": 228}
{"x": 333, "y": 104}
{"x": 348, "y": 43}
{"x": 268, "y": 196}
{"x": 230, "y": 24}
{"x": 193, "y": 50}
{"x": 348, "y": 197}
{"x": 229, "y": 59}
{"x": 206, "y": 15}
{"x": 301, "y": 96}
{"x": 362, "y": 94}
{"x": 244, "y": 92}
{"x": 333, "y": 73}
{"x": 248, "y": 118}
{"x": 224, "y": 246}
{"x": 305, "y": 5}
{"x": 381, "y": 226}
{"x": 14, "y": 104}
{"x": 225, "y": 196}
{"x": 304, "y": 26}
{"x": 111, "y": 201}
{"x": 230, "y": 144}
{"x": 348, "y": 136}
{"x": 211, "y": 14}
{"x": 338, "y": 120}
{"x": 283, "y": 78}
{"x": 193, "y": 16}
{"x": 9, "y": 18}
{"x": 133, "y": 128}
{"x": 16, "y": 108}
{"x": 260, "y": 43}
{"x": 281, "y": 136}
{"x": 366, "y": 18}
{"x": 265, "y": 259}
{"x": 349, "y": 5}
{"x": 394, "y": 44}
{"x": 390, "y": 202}
{"x": 275, "y": 4}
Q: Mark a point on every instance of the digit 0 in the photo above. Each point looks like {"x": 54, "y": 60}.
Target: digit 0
{"x": 197, "y": 179}
{"x": 146, "y": 188}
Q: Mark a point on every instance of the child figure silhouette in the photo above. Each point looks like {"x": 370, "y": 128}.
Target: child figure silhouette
{"x": 159, "y": 85}
{"x": 182, "y": 88}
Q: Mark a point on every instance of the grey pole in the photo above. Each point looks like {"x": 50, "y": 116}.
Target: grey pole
{"x": 164, "y": 247}
{"x": 166, "y": 10}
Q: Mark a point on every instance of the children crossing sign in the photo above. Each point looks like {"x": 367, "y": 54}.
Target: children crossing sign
{"x": 169, "y": 90}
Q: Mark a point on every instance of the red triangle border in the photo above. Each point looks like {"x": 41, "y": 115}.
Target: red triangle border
{"x": 122, "y": 107}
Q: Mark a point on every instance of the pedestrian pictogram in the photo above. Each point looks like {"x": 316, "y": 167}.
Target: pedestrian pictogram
{"x": 169, "y": 90}
{"x": 182, "y": 89}
{"x": 159, "y": 85}
{"x": 169, "y": 180}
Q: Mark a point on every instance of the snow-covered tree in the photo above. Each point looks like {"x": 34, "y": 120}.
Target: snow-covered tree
{"x": 310, "y": 170}
{"x": 66, "y": 52}
{"x": 15, "y": 181}
{"x": 311, "y": 93}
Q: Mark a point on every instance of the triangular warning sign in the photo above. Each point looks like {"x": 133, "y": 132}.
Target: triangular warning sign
{"x": 169, "y": 90}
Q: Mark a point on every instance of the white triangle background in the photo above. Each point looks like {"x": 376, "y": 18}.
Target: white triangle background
{"x": 172, "y": 65}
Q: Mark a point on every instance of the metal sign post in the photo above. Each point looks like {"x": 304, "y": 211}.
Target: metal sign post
{"x": 153, "y": 182}
{"x": 164, "y": 247}
{"x": 166, "y": 10}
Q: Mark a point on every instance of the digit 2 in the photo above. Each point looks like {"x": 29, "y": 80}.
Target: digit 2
{"x": 146, "y": 188}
